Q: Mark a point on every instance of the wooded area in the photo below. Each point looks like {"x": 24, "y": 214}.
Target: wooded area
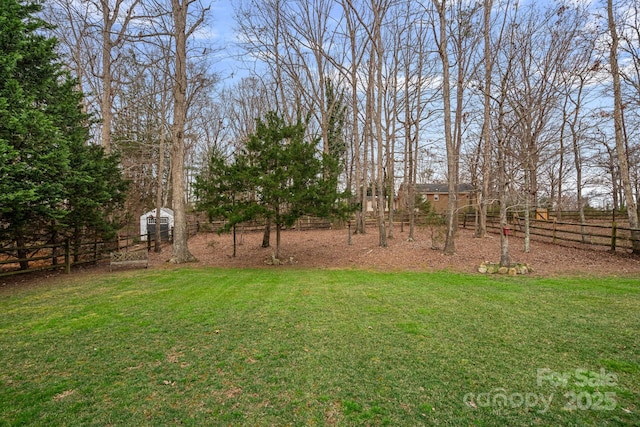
{"x": 534, "y": 104}
{"x": 601, "y": 232}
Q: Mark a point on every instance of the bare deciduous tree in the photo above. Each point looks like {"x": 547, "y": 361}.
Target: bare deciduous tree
{"x": 453, "y": 155}
{"x": 110, "y": 15}
{"x": 180, "y": 13}
{"x": 623, "y": 162}
{"x": 484, "y": 195}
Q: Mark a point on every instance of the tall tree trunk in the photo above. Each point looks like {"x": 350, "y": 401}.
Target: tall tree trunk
{"x": 365, "y": 177}
{"x": 505, "y": 259}
{"x": 408, "y": 157}
{"x": 414, "y": 123}
{"x": 266, "y": 236}
{"x": 452, "y": 157}
{"x": 235, "y": 240}
{"x": 106, "y": 77}
{"x": 382, "y": 191}
{"x": 21, "y": 249}
{"x": 359, "y": 159}
{"x": 501, "y": 139}
{"x": 560, "y": 170}
{"x": 159, "y": 191}
{"x": 578, "y": 165}
{"x": 390, "y": 179}
{"x": 369, "y": 137}
{"x": 632, "y": 210}
{"x": 360, "y": 169}
{"x": 181, "y": 252}
{"x": 109, "y": 18}
{"x": 577, "y": 159}
{"x": 409, "y": 187}
{"x": 414, "y": 180}
{"x": 278, "y": 229}
{"x": 106, "y": 99}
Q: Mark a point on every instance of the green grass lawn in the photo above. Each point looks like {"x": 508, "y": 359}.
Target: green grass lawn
{"x": 320, "y": 347}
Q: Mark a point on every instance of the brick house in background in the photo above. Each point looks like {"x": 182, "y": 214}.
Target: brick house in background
{"x": 438, "y": 195}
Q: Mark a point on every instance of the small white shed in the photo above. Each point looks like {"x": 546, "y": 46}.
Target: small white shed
{"x": 148, "y": 223}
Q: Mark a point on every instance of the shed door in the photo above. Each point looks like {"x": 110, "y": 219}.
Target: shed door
{"x": 164, "y": 228}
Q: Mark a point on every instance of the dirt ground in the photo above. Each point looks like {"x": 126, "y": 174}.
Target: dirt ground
{"x": 330, "y": 249}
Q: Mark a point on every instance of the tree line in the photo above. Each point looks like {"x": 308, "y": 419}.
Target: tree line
{"x": 534, "y": 104}
{"x": 53, "y": 185}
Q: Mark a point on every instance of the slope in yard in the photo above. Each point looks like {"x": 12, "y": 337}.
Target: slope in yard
{"x": 330, "y": 249}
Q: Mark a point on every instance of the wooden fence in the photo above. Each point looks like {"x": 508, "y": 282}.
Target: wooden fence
{"x": 64, "y": 255}
{"x": 595, "y": 234}
{"x": 599, "y": 232}
{"x": 303, "y": 223}
{"x": 43, "y": 257}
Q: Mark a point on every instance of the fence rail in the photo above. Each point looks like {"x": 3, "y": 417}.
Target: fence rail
{"x": 64, "y": 255}
{"x": 303, "y": 223}
{"x": 611, "y": 236}
{"x": 44, "y": 256}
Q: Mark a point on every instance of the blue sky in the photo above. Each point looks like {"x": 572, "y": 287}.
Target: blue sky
{"x": 221, "y": 22}
{"x": 221, "y": 18}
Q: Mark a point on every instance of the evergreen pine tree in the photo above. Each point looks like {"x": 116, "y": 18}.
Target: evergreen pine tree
{"x": 279, "y": 177}
{"x": 48, "y": 177}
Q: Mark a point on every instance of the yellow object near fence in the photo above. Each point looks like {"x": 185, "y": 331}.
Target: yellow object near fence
{"x": 542, "y": 214}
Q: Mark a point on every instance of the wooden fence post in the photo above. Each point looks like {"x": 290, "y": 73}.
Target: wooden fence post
{"x": 67, "y": 256}
{"x": 614, "y": 234}
{"x": 54, "y": 253}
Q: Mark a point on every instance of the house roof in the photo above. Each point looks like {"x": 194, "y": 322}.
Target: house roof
{"x": 442, "y": 188}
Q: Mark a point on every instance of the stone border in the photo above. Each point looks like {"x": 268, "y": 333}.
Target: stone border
{"x": 488, "y": 267}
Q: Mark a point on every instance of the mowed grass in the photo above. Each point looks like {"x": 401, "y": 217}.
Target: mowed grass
{"x": 279, "y": 347}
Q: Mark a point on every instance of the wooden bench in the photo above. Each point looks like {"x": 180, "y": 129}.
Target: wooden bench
{"x": 129, "y": 258}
